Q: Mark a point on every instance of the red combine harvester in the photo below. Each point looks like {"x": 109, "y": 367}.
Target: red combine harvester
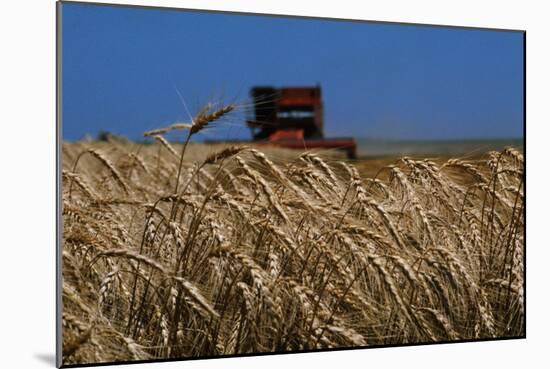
{"x": 292, "y": 117}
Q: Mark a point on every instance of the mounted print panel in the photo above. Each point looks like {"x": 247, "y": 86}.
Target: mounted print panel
{"x": 239, "y": 184}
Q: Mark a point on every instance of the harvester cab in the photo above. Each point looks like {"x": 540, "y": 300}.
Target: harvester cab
{"x": 292, "y": 117}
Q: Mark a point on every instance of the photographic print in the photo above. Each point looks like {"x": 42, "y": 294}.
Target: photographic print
{"x": 239, "y": 184}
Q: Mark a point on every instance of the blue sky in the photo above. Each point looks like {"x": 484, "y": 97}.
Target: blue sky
{"x": 123, "y": 68}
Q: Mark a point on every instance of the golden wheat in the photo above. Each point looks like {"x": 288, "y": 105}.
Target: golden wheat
{"x": 256, "y": 255}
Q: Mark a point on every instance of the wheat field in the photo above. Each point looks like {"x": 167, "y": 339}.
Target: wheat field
{"x": 171, "y": 253}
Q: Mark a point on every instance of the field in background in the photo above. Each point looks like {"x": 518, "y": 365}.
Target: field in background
{"x": 373, "y": 148}
{"x": 274, "y": 251}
